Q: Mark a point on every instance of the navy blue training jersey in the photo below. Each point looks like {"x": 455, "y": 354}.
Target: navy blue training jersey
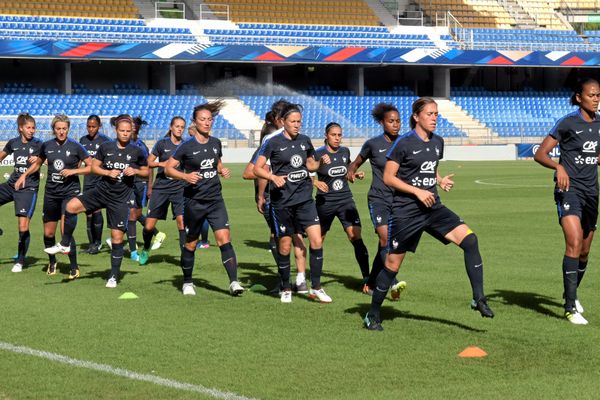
{"x": 578, "y": 140}
{"x": 375, "y": 150}
{"x": 203, "y": 159}
{"x": 91, "y": 145}
{"x": 419, "y": 161}
{"x": 163, "y": 150}
{"x": 288, "y": 158}
{"x": 112, "y": 156}
{"x": 266, "y": 194}
{"x": 140, "y": 143}
{"x": 67, "y": 155}
{"x": 334, "y": 174}
{"x": 21, "y": 153}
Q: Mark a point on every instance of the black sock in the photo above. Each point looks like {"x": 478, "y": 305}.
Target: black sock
{"x": 284, "y": 271}
{"x": 23, "y": 246}
{"x": 382, "y": 285}
{"x": 316, "y": 267}
{"x": 116, "y": 257}
{"x": 89, "y": 228}
{"x": 182, "y": 237}
{"x": 473, "y": 264}
{"x": 362, "y": 256}
{"x": 377, "y": 266}
{"x": 274, "y": 251}
{"x": 50, "y": 241}
{"x": 187, "y": 264}
{"x": 132, "y": 236}
{"x": 73, "y": 255}
{"x": 147, "y": 235}
{"x": 229, "y": 261}
{"x": 581, "y": 271}
{"x": 569, "y": 268}
{"x": 142, "y": 219}
{"x": 98, "y": 226}
{"x": 70, "y": 225}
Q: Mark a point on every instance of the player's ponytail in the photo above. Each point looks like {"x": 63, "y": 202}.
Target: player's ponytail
{"x": 214, "y": 107}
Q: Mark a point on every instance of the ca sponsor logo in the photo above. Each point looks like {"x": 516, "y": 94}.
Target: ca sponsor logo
{"x": 428, "y": 167}
{"x": 338, "y": 184}
{"x": 589, "y": 146}
{"x": 207, "y": 163}
{"x": 296, "y": 161}
{"x": 58, "y": 165}
{"x": 337, "y": 171}
{"x": 297, "y": 176}
{"x": 21, "y": 160}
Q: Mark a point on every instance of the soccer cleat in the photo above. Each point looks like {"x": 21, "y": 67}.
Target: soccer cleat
{"x": 134, "y": 256}
{"x": 286, "y": 296}
{"x": 51, "y": 269}
{"x": 144, "y": 255}
{"x": 367, "y": 290}
{"x": 18, "y": 267}
{"x": 203, "y": 245}
{"x": 481, "y": 305}
{"x": 579, "y": 307}
{"x": 87, "y": 250}
{"x": 111, "y": 282}
{"x": 188, "y": 289}
{"x": 235, "y": 288}
{"x": 57, "y": 248}
{"x": 301, "y": 288}
{"x": 575, "y": 317}
{"x": 158, "y": 240}
{"x": 74, "y": 274}
{"x": 94, "y": 248}
{"x": 108, "y": 243}
{"x": 397, "y": 290}
{"x": 372, "y": 323}
{"x": 320, "y": 295}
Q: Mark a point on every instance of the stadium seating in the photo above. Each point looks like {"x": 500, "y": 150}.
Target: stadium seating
{"x": 523, "y": 39}
{"x": 79, "y": 8}
{"x": 470, "y": 13}
{"x": 324, "y": 12}
{"x": 88, "y": 29}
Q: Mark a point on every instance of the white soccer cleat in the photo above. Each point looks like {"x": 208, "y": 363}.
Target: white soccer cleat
{"x": 111, "y": 283}
{"x": 235, "y": 288}
{"x": 575, "y": 318}
{"x": 578, "y": 307}
{"x": 286, "y": 296}
{"x": 108, "y": 243}
{"x": 320, "y": 295}
{"x": 57, "y": 248}
{"x": 158, "y": 240}
{"x": 18, "y": 267}
{"x": 188, "y": 289}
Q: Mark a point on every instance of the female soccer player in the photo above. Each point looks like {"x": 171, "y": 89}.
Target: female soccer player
{"x": 117, "y": 162}
{"x": 22, "y": 188}
{"x": 412, "y": 173}
{"x": 293, "y": 208}
{"x": 64, "y": 157}
{"x": 165, "y": 190}
{"x": 576, "y": 190}
{"x": 95, "y": 222}
{"x": 380, "y": 196}
{"x": 334, "y": 198}
{"x": 199, "y": 162}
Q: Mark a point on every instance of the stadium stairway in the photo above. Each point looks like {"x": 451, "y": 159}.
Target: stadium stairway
{"x": 238, "y": 114}
{"x": 474, "y": 129}
{"x": 146, "y": 7}
{"x": 520, "y": 15}
{"x": 382, "y": 13}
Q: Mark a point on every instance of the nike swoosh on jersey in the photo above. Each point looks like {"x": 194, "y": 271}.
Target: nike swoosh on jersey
{"x": 382, "y": 150}
{"x": 417, "y": 151}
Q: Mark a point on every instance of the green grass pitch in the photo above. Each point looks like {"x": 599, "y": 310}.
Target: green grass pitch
{"x": 256, "y": 347}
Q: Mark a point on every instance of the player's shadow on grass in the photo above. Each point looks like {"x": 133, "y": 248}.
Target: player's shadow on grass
{"x": 257, "y": 274}
{"x": 202, "y": 284}
{"x": 101, "y": 275}
{"x": 528, "y": 300}
{"x": 258, "y": 244}
{"x": 391, "y": 313}
{"x": 29, "y": 261}
{"x": 164, "y": 258}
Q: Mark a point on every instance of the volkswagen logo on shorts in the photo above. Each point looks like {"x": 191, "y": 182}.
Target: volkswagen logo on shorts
{"x": 296, "y": 161}
{"x": 297, "y": 176}
{"x": 58, "y": 165}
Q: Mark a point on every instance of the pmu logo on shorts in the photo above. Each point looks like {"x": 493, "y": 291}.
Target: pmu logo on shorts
{"x": 297, "y": 176}
{"x": 428, "y": 167}
{"x": 296, "y": 161}
{"x": 589, "y": 147}
{"x": 337, "y": 171}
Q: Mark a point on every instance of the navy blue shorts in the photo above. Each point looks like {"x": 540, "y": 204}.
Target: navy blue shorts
{"x": 117, "y": 210}
{"x": 24, "y": 199}
{"x": 54, "y": 207}
{"x": 380, "y": 212}
{"x": 140, "y": 194}
{"x": 294, "y": 219}
{"x": 196, "y": 211}
{"x": 345, "y": 211}
{"x": 158, "y": 206}
{"x": 582, "y": 205}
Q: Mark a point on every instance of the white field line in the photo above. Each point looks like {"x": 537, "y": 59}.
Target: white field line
{"x": 157, "y": 380}
{"x": 510, "y": 185}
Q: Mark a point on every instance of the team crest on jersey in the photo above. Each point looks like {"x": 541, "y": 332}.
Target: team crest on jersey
{"x": 302, "y": 146}
{"x": 378, "y": 218}
{"x": 30, "y": 150}
{"x": 282, "y": 228}
{"x": 296, "y": 161}
{"x": 215, "y": 150}
{"x": 68, "y": 153}
{"x": 394, "y": 244}
{"x": 58, "y": 165}
{"x": 128, "y": 157}
{"x": 437, "y": 151}
{"x": 344, "y": 159}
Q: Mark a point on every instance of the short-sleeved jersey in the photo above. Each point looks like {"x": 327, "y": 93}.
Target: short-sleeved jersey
{"x": 419, "y": 161}
{"x": 163, "y": 150}
{"x": 111, "y": 156}
{"x": 375, "y": 150}
{"x": 203, "y": 159}
{"x": 334, "y": 174}
{"x": 67, "y": 155}
{"x": 266, "y": 194}
{"x": 91, "y": 145}
{"x": 140, "y": 143}
{"x": 288, "y": 158}
{"x": 21, "y": 153}
{"x": 578, "y": 141}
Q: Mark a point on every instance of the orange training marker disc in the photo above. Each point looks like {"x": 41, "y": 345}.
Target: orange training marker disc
{"x": 472, "y": 352}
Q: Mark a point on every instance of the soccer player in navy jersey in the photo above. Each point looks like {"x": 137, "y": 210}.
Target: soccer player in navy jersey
{"x": 576, "y": 190}
{"x": 117, "y": 162}
{"x": 334, "y": 198}
{"x": 412, "y": 173}
{"x": 22, "y": 188}
{"x": 197, "y": 162}
{"x": 165, "y": 191}
{"x": 64, "y": 157}
{"x": 94, "y": 220}
{"x": 293, "y": 208}
{"x": 380, "y": 196}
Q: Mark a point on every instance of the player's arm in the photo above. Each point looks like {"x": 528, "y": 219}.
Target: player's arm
{"x": 541, "y": 157}
{"x": 3, "y": 155}
{"x": 223, "y": 171}
{"x": 353, "y": 167}
{"x": 84, "y": 168}
{"x": 154, "y": 163}
{"x": 390, "y": 178}
{"x": 248, "y": 172}
{"x": 98, "y": 170}
{"x": 33, "y": 168}
{"x": 172, "y": 172}
{"x": 260, "y": 172}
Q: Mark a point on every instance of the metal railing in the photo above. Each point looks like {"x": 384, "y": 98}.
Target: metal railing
{"x": 410, "y": 18}
{"x": 169, "y": 9}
